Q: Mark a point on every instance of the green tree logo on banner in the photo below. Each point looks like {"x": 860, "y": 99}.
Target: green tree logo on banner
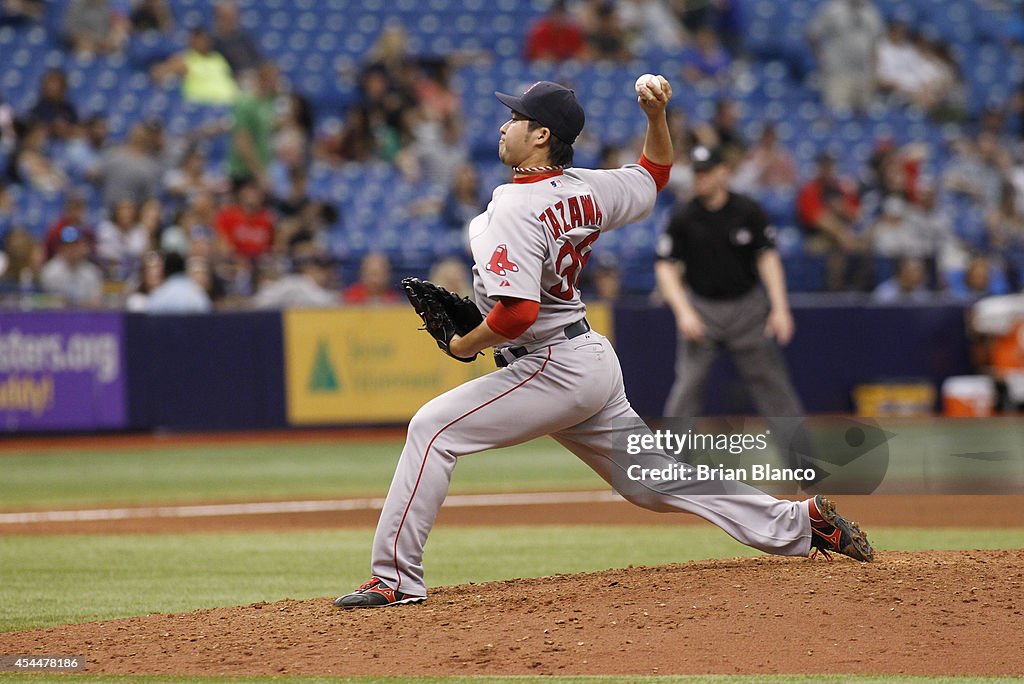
{"x": 323, "y": 378}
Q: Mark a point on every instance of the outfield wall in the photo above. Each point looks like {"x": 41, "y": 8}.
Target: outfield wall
{"x": 74, "y": 371}
{"x": 838, "y": 345}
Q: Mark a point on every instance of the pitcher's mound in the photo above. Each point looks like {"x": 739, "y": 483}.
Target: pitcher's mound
{"x": 934, "y": 613}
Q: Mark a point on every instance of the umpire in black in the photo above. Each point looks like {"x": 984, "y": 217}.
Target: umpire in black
{"x": 732, "y": 294}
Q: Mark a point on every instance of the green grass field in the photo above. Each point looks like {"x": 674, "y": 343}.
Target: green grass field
{"x": 53, "y": 580}
{"x": 263, "y": 472}
{"x": 326, "y": 469}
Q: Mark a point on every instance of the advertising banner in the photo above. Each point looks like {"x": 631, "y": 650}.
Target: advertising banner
{"x": 364, "y": 365}
{"x": 370, "y": 365}
{"x": 61, "y": 371}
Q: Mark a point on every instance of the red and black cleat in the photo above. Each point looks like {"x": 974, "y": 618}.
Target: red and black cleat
{"x": 375, "y": 594}
{"x": 831, "y": 532}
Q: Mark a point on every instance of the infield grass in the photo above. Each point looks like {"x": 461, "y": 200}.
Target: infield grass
{"x": 932, "y": 453}
{"x": 217, "y": 472}
{"x": 53, "y": 580}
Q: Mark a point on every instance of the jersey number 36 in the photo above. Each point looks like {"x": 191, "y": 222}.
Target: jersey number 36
{"x": 569, "y": 265}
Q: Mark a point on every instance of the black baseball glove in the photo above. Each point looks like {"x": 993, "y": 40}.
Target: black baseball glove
{"x": 445, "y": 314}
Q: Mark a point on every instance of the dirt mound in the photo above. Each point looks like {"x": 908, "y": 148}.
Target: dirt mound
{"x": 934, "y": 613}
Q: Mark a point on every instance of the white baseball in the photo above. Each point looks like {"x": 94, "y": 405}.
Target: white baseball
{"x": 642, "y": 80}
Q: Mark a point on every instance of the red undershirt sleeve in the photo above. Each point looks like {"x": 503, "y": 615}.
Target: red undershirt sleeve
{"x": 659, "y": 172}
{"x": 512, "y": 317}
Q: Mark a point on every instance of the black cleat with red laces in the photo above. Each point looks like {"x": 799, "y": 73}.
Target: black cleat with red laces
{"x": 831, "y": 532}
{"x": 375, "y": 594}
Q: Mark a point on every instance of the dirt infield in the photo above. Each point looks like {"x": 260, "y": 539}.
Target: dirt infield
{"x": 871, "y": 511}
{"x": 747, "y": 616}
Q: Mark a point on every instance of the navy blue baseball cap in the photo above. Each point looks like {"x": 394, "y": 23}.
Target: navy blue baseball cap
{"x": 550, "y": 104}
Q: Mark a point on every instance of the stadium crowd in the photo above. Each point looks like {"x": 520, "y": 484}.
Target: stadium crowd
{"x": 182, "y": 227}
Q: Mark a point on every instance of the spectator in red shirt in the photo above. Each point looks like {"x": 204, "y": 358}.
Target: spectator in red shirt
{"x": 555, "y": 36}
{"x": 374, "y": 284}
{"x": 827, "y": 208}
{"x": 74, "y": 214}
{"x": 247, "y": 226}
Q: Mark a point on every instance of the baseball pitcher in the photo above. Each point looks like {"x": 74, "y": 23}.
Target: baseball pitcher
{"x": 556, "y": 376}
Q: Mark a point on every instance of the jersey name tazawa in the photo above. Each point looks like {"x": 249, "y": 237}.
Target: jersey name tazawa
{"x": 583, "y": 210}
{"x": 535, "y": 239}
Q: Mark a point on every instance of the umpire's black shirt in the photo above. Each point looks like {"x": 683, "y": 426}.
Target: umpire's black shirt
{"x": 720, "y": 248}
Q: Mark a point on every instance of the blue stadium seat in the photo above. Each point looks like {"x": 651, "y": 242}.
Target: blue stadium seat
{"x": 271, "y": 40}
{"x": 299, "y": 40}
{"x": 287, "y": 60}
{"x": 314, "y": 62}
{"x": 280, "y": 20}
{"x": 780, "y": 206}
{"x": 192, "y": 17}
{"x": 96, "y": 102}
{"x": 326, "y": 43}
{"x": 308, "y": 21}
{"x": 127, "y": 103}
{"x": 11, "y": 81}
{"x": 805, "y": 273}
{"x": 136, "y": 83}
{"x": 356, "y": 43}
{"x": 429, "y": 24}
{"x": 7, "y": 36}
{"x": 504, "y": 25}
{"x": 36, "y": 36}
{"x": 108, "y": 79}
{"x": 789, "y": 241}
{"x": 884, "y": 269}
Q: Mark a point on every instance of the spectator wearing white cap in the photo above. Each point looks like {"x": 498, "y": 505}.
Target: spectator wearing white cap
{"x": 70, "y": 274}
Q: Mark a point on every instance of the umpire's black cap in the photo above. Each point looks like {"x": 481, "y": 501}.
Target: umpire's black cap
{"x": 550, "y": 104}
{"x": 705, "y": 158}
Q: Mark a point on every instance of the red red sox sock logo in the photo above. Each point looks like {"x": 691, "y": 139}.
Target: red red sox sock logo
{"x": 501, "y": 265}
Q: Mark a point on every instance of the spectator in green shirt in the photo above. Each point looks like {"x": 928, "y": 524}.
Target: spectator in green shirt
{"x": 253, "y": 129}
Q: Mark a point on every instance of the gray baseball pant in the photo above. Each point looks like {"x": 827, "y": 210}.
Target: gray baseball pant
{"x": 573, "y": 391}
{"x": 737, "y": 325}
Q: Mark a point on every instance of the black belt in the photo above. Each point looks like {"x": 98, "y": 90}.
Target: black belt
{"x": 575, "y": 330}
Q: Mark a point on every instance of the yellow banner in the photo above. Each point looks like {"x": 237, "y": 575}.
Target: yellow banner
{"x": 371, "y": 365}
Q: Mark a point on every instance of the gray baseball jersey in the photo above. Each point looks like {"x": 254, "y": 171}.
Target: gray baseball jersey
{"x": 535, "y": 239}
{"x": 532, "y": 243}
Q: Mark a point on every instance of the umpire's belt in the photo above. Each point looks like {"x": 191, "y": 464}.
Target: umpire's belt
{"x": 503, "y": 357}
